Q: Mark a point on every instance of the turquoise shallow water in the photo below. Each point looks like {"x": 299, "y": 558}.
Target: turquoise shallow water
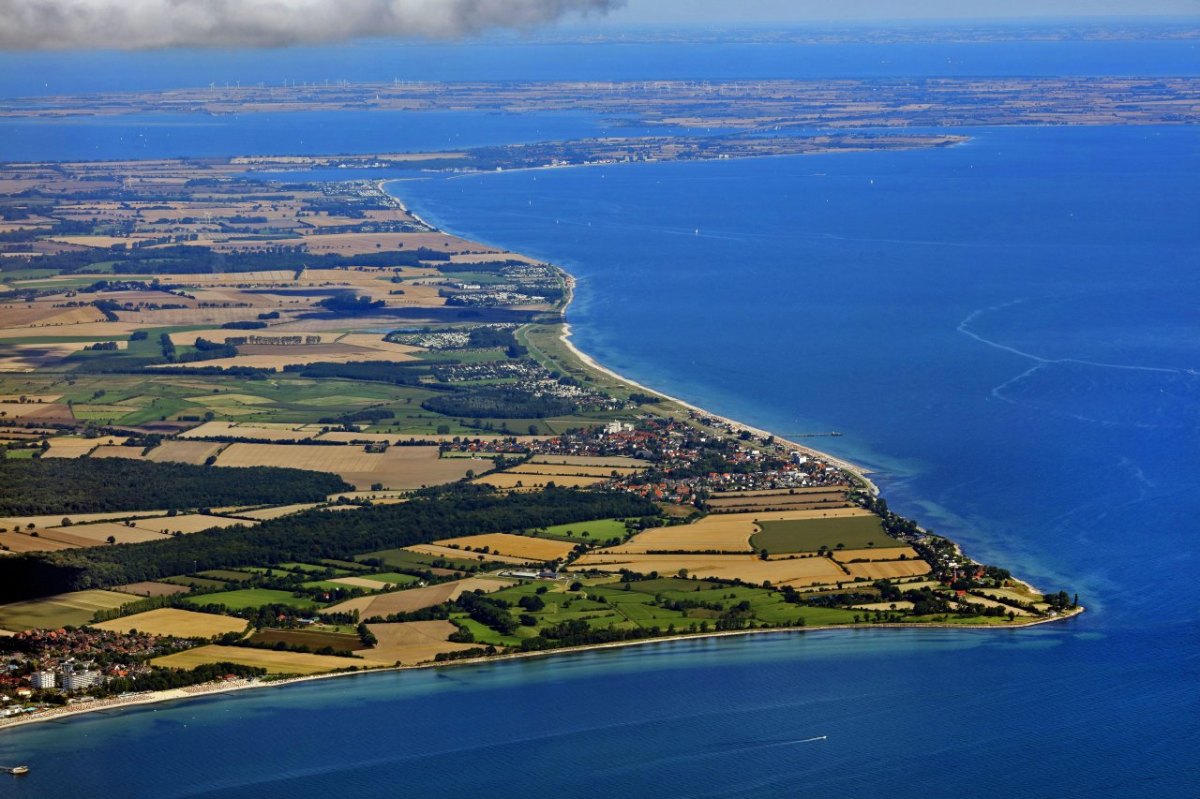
{"x": 1007, "y": 331}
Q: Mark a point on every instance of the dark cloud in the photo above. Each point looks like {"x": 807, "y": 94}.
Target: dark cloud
{"x": 151, "y": 24}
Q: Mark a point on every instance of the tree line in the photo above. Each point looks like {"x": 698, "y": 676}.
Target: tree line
{"x": 316, "y": 534}
{"x": 85, "y": 485}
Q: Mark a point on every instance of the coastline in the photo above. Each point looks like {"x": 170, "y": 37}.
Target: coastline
{"x": 565, "y": 334}
{"x": 860, "y": 473}
{"x": 209, "y": 689}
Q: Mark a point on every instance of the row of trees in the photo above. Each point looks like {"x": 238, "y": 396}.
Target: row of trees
{"x": 318, "y": 534}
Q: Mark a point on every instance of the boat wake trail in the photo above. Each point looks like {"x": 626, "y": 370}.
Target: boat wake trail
{"x": 1040, "y": 363}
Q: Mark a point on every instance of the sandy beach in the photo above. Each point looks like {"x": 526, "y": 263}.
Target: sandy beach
{"x": 118, "y": 703}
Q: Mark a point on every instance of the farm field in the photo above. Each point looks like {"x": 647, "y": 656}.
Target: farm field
{"x": 363, "y": 582}
{"x": 597, "y": 530}
{"x": 726, "y": 532}
{"x": 397, "y": 468}
{"x": 252, "y": 598}
{"x": 751, "y": 501}
{"x": 313, "y": 639}
{"x": 18, "y": 543}
{"x": 193, "y": 452}
{"x": 262, "y": 514}
{"x": 416, "y": 598}
{"x": 72, "y": 447}
{"x": 273, "y": 661}
{"x": 876, "y": 553}
{"x": 850, "y": 531}
{"x": 148, "y": 588}
{"x": 510, "y": 480}
{"x": 190, "y": 523}
{"x": 412, "y": 642}
{"x": 888, "y": 569}
{"x": 438, "y": 550}
{"x": 175, "y": 622}
{"x": 749, "y": 568}
{"x": 53, "y": 520}
{"x": 407, "y": 559}
{"x": 75, "y": 608}
{"x": 515, "y": 546}
{"x": 991, "y": 603}
{"x": 98, "y": 533}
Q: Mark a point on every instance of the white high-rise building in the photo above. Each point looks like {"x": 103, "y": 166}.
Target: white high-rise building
{"x": 43, "y": 680}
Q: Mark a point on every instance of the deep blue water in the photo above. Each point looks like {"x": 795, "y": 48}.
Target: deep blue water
{"x": 1007, "y": 331}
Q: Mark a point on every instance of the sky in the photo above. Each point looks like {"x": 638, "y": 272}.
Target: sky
{"x": 727, "y": 12}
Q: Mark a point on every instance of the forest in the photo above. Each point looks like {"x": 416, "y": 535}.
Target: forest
{"x": 316, "y": 534}
{"x": 33, "y": 487}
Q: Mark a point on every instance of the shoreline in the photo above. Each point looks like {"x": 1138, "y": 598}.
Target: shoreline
{"x": 209, "y": 689}
{"x": 858, "y": 473}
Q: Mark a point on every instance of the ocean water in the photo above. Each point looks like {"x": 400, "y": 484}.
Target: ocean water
{"x": 152, "y": 135}
{"x": 1007, "y": 331}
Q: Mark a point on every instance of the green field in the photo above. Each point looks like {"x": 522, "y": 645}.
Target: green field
{"x": 404, "y": 559}
{"x": 395, "y": 578}
{"x": 812, "y": 535}
{"x": 225, "y": 574}
{"x": 252, "y": 598}
{"x": 313, "y": 639}
{"x": 194, "y": 582}
{"x": 314, "y": 568}
{"x": 52, "y": 612}
{"x": 597, "y": 530}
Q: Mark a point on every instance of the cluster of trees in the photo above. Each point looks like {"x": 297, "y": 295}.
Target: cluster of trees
{"x": 576, "y": 632}
{"x": 458, "y": 510}
{"x": 346, "y": 303}
{"x": 401, "y": 373}
{"x": 498, "y": 402}
{"x": 369, "y": 415}
{"x": 166, "y": 679}
{"x": 86, "y": 485}
{"x": 489, "y": 612}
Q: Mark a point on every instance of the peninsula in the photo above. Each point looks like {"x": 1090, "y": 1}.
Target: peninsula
{"x": 259, "y": 429}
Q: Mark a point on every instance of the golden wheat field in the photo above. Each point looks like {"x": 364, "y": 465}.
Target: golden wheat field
{"x": 416, "y": 598}
{"x": 397, "y": 468}
{"x": 516, "y": 546}
{"x": 20, "y": 543}
{"x": 177, "y": 622}
{"x": 440, "y": 551}
{"x": 100, "y": 532}
{"x": 876, "y": 553}
{"x": 725, "y": 532}
{"x": 879, "y": 570}
{"x": 412, "y": 642}
{"x": 273, "y": 661}
{"x": 533, "y": 481}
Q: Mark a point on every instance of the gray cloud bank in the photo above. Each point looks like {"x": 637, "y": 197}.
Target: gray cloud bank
{"x": 154, "y": 24}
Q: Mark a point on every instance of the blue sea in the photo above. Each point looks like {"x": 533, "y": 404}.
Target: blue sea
{"x": 1007, "y": 332}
